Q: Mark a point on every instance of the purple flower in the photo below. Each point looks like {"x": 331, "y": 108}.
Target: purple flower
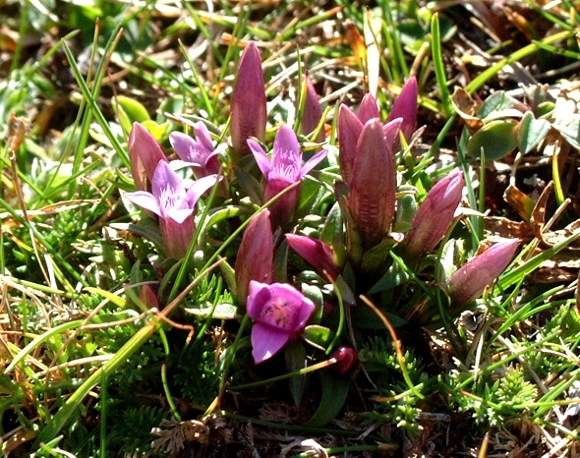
{"x": 144, "y": 154}
{"x": 174, "y": 205}
{"x": 469, "y": 281}
{"x": 248, "y": 111}
{"x": 199, "y": 153}
{"x": 280, "y": 313}
{"x": 255, "y": 259}
{"x": 434, "y": 216}
{"x": 373, "y": 185}
{"x": 368, "y": 109}
{"x": 312, "y": 111}
{"x": 283, "y": 170}
{"x": 316, "y": 253}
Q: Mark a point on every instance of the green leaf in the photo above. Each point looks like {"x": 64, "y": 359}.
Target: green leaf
{"x": 318, "y": 336}
{"x": 497, "y": 139}
{"x": 334, "y": 392}
{"x": 532, "y": 132}
{"x": 394, "y": 277}
{"x": 295, "y": 356}
{"x": 495, "y": 104}
{"x": 134, "y": 110}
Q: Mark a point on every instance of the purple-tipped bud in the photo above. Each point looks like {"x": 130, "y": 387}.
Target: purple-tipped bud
{"x": 248, "y": 111}
{"x": 346, "y": 360}
{"x": 255, "y": 259}
{"x": 368, "y": 109}
{"x": 312, "y": 111}
{"x": 469, "y": 281}
{"x": 373, "y": 185}
{"x": 316, "y": 253}
{"x": 435, "y": 215}
{"x": 406, "y": 107}
{"x": 144, "y": 154}
{"x": 349, "y": 130}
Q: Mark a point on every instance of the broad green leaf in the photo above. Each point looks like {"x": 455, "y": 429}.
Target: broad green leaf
{"x": 498, "y": 101}
{"x": 497, "y": 139}
{"x": 334, "y": 392}
{"x": 532, "y": 132}
{"x": 134, "y": 110}
{"x": 318, "y": 336}
{"x": 295, "y": 356}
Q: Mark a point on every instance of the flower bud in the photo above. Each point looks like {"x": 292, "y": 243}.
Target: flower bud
{"x": 373, "y": 185}
{"x": 144, "y": 154}
{"x": 346, "y": 360}
{"x": 248, "y": 110}
{"x": 316, "y": 253}
{"x": 312, "y": 111}
{"x": 469, "y": 281}
{"x": 405, "y": 107}
{"x": 255, "y": 259}
{"x": 434, "y": 216}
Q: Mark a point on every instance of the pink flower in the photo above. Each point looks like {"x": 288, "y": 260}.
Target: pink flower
{"x": 469, "y": 281}
{"x": 248, "y": 111}
{"x": 435, "y": 215}
{"x": 174, "y": 205}
{"x": 283, "y": 170}
{"x": 199, "y": 153}
{"x": 255, "y": 259}
{"x": 144, "y": 154}
{"x": 280, "y": 313}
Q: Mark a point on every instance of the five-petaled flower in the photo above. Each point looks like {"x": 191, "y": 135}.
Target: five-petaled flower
{"x": 174, "y": 205}
{"x": 283, "y": 170}
{"x": 280, "y": 313}
{"x": 199, "y": 153}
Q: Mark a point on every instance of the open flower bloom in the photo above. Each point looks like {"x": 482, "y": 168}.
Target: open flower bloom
{"x": 174, "y": 205}
{"x": 435, "y": 215}
{"x": 373, "y": 185}
{"x": 469, "y": 281}
{"x": 283, "y": 170}
{"x": 248, "y": 110}
{"x": 199, "y": 153}
{"x": 255, "y": 258}
{"x": 144, "y": 154}
{"x": 280, "y": 313}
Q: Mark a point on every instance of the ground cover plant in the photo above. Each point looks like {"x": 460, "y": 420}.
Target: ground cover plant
{"x": 289, "y": 229}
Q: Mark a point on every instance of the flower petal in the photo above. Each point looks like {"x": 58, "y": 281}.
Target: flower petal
{"x": 262, "y": 159}
{"x": 198, "y": 188}
{"x": 313, "y": 162}
{"x": 165, "y": 180}
{"x": 202, "y": 136}
{"x": 368, "y": 109}
{"x": 183, "y": 145}
{"x": 266, "y": 342}
{"x": 145, "y": 200}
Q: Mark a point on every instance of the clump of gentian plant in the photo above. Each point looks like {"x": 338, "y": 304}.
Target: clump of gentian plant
{"x": 376, "y": 241}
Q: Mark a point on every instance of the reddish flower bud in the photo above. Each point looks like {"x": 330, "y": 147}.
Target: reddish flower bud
{"x": 349, "y": 130}
{"x": 316, "y": 253}
{"x": 144, "y": 154}
{"x": 405, "y": 107}
{"x": 434, "y": 216}
{"x": 312, "y": 111}
{"x": 248, "y": 110}
{"x": 469, "y": 281}
{"x": 368, "y": 109}
{"x": 255, "y": 260}
{"x": 373, "y": 185}
{"x": 346, "y": 360}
